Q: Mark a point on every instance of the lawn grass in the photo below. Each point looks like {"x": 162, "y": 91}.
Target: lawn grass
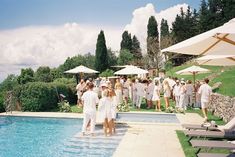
{"x": 228, "y": 86}
{"x": 76, "y": 109}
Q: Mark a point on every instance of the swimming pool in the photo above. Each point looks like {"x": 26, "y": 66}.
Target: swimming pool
{"x": 147, "y": 117}
{"x": 52, "y": 137}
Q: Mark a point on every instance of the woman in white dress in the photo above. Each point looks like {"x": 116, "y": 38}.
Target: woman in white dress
{"x": 156, "y": 95}
{"x": 113, "y": 99}
{"x": 104, "y": 109}
{"x": 118, "y": 91}
{"x": 167, "y": 92}
{"x": 182, "y": 104}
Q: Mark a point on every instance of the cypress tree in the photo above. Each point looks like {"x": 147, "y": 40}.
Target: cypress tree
{"x": 101, "y": 55}
{"x": 136, "y": 50}
{"x": 126, "y": 42}
{"x": 164, "y": 28}
{"x": 153, "y": 50}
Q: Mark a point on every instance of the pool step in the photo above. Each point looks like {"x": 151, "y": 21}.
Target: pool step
{"x": 97, "y": 145}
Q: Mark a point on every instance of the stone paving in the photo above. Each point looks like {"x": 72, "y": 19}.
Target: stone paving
{"x": 141, "y": 140}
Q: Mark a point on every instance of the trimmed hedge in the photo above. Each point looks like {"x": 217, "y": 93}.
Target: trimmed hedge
{"x": 41, "y": 96}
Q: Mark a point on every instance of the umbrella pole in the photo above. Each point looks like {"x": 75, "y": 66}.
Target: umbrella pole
{"x": 76, "y": 78}
{"x": 194, "y": 78}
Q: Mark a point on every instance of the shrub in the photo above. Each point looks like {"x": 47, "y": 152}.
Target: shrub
{"x": 38, "y": 96}
{"x": 64, "y": 106}
{"x": 41, "y": 96}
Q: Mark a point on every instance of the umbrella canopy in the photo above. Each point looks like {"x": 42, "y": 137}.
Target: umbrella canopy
{"x": 131, "y": 70}
{"x": 192, "y": 70}
{"x": 217, "y": 60}
{"x": 218, "y": 41}
{"x": 81, "y": 69}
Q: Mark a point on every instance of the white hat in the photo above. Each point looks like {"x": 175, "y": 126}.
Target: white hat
{"x": 182, "y": 82}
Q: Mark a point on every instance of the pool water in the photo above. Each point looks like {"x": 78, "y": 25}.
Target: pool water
{"x": 147, "y": 118}
{"x": 52, "y": 137}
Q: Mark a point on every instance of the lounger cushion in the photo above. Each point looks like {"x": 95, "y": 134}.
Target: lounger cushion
{"x": 214, "y": 155}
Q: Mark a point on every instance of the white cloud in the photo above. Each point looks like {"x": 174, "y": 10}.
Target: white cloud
{"x": 139, "y": 22}
{"x": 36, "y": 46}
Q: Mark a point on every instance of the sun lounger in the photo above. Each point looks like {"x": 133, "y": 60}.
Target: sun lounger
{"x": 209, "y": 134}
{"x": 214, "y": 155}
{"x": 199, "y": 127}
{"x": 212, "y": 145}
{"x": 229, "y": 126}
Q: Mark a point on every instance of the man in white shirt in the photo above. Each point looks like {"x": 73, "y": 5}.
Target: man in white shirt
{"x": 90, "y": 100}
{"x": 205, "y": 91}
{"x": 140, "y": 93}
{"x": 189, "y": 93}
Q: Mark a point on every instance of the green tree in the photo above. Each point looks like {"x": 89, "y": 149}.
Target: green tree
{"x": 184, "y": 27}
{"x": 107, "y": 73}
{"x": 126, "y": 42}
{"x": 152, "y": 27}
{"x": 153, "y": 49}
{"x": 43, "y": 74}
{"x": 136, "y": 50}
{"x": 203, "y": 16}
{"x": 26, "y": 75}
{"x": 112, "y": 59}
{"x": 9, "y": 83}
{"x": 89, "y": 60}
{"x": 101, "y": 54}
{"x": 164, "y": 28}
{"x": 125, "y": 57}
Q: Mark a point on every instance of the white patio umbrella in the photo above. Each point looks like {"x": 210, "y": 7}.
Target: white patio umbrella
{"x": 193, "y": 70}
{"x": 81, "y": 70}
{"x": 131, "y": 70}
{"x": 218, "y": 41}
{"x": 217, "y": 60}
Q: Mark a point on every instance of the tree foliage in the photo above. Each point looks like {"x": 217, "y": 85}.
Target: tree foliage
{"x": 136, "y": 50}
{"x": 26, "y": 75}
{"x": 214, "y": 13}
{"x": 107, "y": 73}
{"x": 153, "y": 48}
{"x": 152, "y": 27}
{"x": 126, "y": 42}
{"x": 112, "y": 59}
{"x": 101, "y": 54}
{"x": 43, "y": 74}
{"x": 125, "y": 57}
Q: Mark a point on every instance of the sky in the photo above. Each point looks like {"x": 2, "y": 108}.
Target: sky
{"x": 37, "y": 33}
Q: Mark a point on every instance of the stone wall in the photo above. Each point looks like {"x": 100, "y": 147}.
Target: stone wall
{"x": 222, "y": 106}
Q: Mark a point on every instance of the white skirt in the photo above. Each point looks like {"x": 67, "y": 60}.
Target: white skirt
{"x": 119, "y": 96}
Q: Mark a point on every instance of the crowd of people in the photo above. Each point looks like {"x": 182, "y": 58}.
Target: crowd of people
{"x": 108, "y": 96}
